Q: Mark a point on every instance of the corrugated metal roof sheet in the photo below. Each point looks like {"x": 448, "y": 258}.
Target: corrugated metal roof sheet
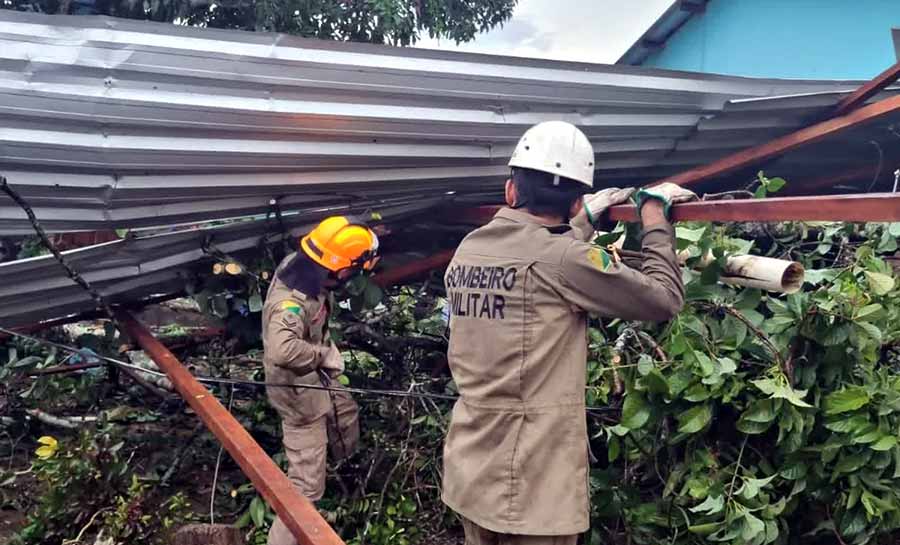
{"x": 37, "y": 289}
{"x": 115, "y": 123}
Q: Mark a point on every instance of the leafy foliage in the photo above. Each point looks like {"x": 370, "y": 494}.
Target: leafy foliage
{"x": 396, "y": 22}
{"x": 759, "y": 418}
{"x": 751, "y": 418}
{"x": 87, "y": 481}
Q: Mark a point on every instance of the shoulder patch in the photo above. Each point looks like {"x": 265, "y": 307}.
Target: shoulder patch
{"x": 599, "y": 258}
{"x": 291, "y": 306}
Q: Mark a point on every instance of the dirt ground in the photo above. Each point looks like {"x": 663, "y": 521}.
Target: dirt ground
{"x": 10, "y": 522}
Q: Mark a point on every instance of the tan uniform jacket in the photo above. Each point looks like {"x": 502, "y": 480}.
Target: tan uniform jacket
{"x": 295, "y": 335}
{"x": 516, "y": 458}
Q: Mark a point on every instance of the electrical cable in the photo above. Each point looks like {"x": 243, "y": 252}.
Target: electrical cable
{"x": 259, "y": 383}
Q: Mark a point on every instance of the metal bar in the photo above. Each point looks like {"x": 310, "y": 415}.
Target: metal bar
{"x": 867, "y": 91}
{"x": 858, "y": 207}
{"x": 298, "y": 513}
{"x": 413, "y": 269}
{"x": 786, "y": 143}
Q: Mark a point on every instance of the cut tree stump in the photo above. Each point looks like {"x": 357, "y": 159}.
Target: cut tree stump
{"x": 208, "y": 534}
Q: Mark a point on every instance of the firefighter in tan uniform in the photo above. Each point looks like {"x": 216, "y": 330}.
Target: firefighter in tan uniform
{"x": 298, "y": 350}
{"x": 519, "y": 292}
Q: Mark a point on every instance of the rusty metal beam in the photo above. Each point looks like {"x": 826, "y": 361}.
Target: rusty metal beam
{"x": 857, "y": 207}
{"x": 779, "y": 146}
{"x": 413, "y": 269}
{"x": 298, "y": 513}
{"x": 867, "y": 91}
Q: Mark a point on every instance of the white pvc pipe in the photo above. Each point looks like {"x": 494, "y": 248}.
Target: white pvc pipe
{"x": 753, "y": 271}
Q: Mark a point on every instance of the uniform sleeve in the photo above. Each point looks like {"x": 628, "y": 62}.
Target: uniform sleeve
{"x": 285, "y": 344}
{"x": 592, "y": 281}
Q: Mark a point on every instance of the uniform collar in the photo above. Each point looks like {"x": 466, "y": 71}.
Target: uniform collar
{"x": 519, "y": 215}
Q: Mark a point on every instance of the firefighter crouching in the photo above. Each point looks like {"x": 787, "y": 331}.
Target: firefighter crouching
{"x": 298, "y": 350}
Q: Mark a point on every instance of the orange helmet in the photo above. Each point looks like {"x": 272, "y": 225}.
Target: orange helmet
{"x": 339, "y": 243}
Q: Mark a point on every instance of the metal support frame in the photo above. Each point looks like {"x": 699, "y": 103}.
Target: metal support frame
{"x": 856, "y": 207}
{"x": 781, "y": 145}
{"x": 413, "y": 269}
{"x": 298, "y": 513}
{"x": 867, "y": 91}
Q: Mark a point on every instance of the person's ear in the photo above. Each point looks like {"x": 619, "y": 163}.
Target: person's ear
{"x": 510, "y": 193}
{"x": 577, "y": 207}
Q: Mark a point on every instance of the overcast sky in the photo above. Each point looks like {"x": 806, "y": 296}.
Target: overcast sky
{"x": 574, "y": 30}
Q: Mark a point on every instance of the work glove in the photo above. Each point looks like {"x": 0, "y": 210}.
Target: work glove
{"x": 667, "y": 193}
{"x": 332, "y": 362}
{"x": 596, "y": 204}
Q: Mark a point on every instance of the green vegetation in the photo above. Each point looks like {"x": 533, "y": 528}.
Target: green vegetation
{"x": 751, "y": 418}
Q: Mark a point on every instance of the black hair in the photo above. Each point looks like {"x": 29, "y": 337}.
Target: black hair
{"x": 536, "y": 192}
{"x": 304, "y": 275}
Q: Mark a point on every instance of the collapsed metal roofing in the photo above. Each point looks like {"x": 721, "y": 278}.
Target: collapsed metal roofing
{"x": 111, "y": 123}
{"x": 115, "y": 123}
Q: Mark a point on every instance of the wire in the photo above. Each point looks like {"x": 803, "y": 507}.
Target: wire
{"x": 880, "y": 165}
{"x": 233, "y": 381}
{"x": 212, "y": 493}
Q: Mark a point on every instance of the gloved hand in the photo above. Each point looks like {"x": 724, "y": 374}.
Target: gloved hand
{"x": 667, "y": 193}
{"x": 596, "y": 204}
{"x": 332, "y": 362}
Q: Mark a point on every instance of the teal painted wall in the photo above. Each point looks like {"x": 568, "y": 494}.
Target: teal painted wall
{"x": 820, "y": 39}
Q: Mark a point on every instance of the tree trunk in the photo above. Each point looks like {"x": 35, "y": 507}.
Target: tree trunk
{"x": 208, "y": 534}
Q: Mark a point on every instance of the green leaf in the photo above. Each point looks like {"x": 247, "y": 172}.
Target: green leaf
{"x": 710, "y": 506}
{"x": 836, "y": 335}
{"x": 868, "y": 310}
{"x": 694, "y": 419}
{"x": 705, "y": 362}
{"x": 849, "y": 464}
{"x": 645, "y": 364}
{"x": 255, "y": 303}
{"x": 775, "y": 184}
{"x": 870, "y": 330}
{"x": 697, "y": 393}
{"x": 655, "y": 382}
{"x": 752, "y": 428}
{"x": 613, "y": 448}
{"x": 886, "y": 442}
{"x": 606, "y": 239}
{"x": 728, "y": 366}
{"x": 817, "y": 276}
{"x": 760, "y": 192}
{"x": 765, "y": 385}
{"x": 752, "y": 526}
{"x": 880, "y": 283}
{"x": 843, "y": 424}
{"x": 763, "y": 410}
{"x": 704, "y": 529}
{"x": 688, "y": 234}
{"x": 258, "y": 512}
{"x": 752, "y": 487}
{"x": 794, "y": 471}
{"x": 845, "y": 400}
{"x": 635, "y": 411}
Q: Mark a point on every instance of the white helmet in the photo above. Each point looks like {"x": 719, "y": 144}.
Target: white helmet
{"x": 558, "y": 148}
